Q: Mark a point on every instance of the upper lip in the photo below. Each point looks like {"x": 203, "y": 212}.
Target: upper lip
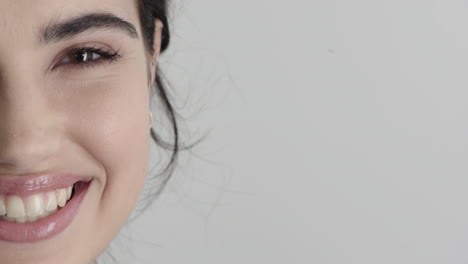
{"x": 40, "y": 182}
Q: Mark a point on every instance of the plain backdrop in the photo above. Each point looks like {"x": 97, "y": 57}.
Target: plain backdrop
{"x": 337, "y": 133}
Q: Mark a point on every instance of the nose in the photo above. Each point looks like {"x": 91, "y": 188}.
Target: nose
{"x": 28, "y": 127}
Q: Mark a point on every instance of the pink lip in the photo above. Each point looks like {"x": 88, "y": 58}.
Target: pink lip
{"x": 48, "y": 226}
{"x": 31, "y": 184}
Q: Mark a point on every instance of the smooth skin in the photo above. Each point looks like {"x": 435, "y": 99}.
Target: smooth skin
{"x": 63, "y": 117}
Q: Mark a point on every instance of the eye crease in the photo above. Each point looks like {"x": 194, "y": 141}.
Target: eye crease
{"x": 87, "y": 57}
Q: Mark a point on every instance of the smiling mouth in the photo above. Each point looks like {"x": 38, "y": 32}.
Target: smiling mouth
{"x": 22, "y": 209}
{"x": 38, "y": 207}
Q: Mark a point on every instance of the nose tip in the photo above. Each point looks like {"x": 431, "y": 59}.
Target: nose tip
{"x": 25, "y": 151}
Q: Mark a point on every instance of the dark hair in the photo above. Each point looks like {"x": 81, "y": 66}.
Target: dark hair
{"x": 149, "y": 11}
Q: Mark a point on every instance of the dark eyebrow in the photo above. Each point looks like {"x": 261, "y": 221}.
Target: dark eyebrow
{"x": 95, "y": 21}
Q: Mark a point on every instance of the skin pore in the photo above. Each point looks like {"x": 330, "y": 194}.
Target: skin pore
{"x": 59, "y": 114}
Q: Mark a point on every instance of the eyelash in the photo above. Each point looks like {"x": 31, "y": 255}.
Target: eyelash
{"x": 105, "y": 55}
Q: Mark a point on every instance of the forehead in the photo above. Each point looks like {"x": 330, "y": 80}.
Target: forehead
{"x": 23, "y": 19}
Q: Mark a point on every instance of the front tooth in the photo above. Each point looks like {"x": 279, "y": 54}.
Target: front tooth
{"x": 69, "y": 191}
{"x": 15, "y": 207}
{"x": 2, "y": 207}
{"x": 20, "y": 220}
{"x": 51, "y": 203}
{"x": 30, "y": 219}
{"x": 35, "y": 206}
{"x": 11, "y": 219}
{"x": 62, "y": 197}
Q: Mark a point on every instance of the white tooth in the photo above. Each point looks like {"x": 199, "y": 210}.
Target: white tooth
{"x": 2, "y": 206}
{"x": 11, "y": 219}
{"x": 51, "y": 212}
{"x": 20, "y": 220}
{"x": 62, "y": 197}
{"x": 69, "y": 191}
{"x": 15, "y": 207}
{"x": 51, "y": 203}
{"x": 35, "y": 206}
{"x": 30, "y": 219}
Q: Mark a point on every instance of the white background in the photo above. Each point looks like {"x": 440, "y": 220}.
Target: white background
{"x": 337, "y": 134}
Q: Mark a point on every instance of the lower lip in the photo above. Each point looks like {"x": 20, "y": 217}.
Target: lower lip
{"x": 48, "y": 226}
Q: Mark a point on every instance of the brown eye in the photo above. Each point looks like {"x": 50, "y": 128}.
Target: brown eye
{"x": 81, "y": 56}
{"x": 87, "y": 56}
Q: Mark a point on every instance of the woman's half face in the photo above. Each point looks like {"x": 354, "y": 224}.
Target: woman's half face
{"x": 74, "y": 126}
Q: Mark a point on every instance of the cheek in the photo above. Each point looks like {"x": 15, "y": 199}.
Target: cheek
{"x": 109, "y": 119}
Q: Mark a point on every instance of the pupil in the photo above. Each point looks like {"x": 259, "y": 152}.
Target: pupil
{"x": 81, "y": 56}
